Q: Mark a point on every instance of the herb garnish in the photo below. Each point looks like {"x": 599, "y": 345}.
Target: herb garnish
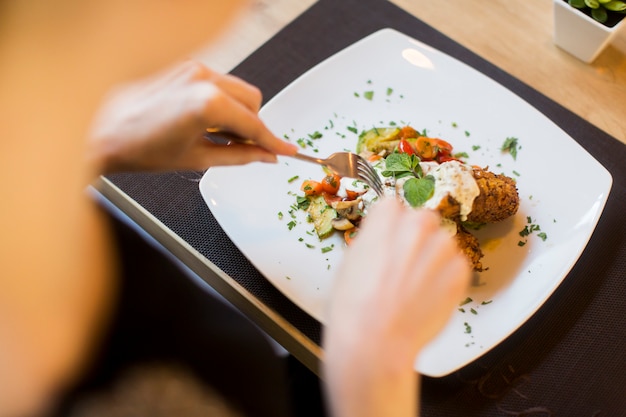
{"x": 315, "y": 135}
{"x": 529, "y": 229}
{"x": 466, "y": 301}
{"x": 511, "y": 146}
{"x": 418, "y": 191}
{"x": 402, "y": 164}
{"x": 327, "y": 248}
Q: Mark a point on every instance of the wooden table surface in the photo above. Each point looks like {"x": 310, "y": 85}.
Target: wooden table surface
{"x": 513, "y": 35}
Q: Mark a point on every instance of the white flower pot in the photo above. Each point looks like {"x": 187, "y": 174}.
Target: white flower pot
{"x": 579, "y": 34}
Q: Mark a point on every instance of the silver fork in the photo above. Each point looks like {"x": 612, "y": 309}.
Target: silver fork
{"x": 348, "y": 164}
{"x": 344, "y": 164}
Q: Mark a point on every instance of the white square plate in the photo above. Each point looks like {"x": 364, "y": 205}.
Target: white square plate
{"x": 389, "y": 77}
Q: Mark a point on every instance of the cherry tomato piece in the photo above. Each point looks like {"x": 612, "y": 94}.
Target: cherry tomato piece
{"x": 442, "y": 146}
{"x": 350, "y": 234}
{"x": 330, "y": 183}
{"x": 311, "y": 187}
{"x": 405, "y": 147}
{"x": 425, "y": 148}
{"x": 330, "y": 198}
{"x": 351, "y": 195}
{"x": 408, "y": 132}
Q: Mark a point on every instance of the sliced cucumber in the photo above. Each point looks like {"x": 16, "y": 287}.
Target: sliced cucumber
{"x": 378, "y": 139}
{"x": 322, "y": 215}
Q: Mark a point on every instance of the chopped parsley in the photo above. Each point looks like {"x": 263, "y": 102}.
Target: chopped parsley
{"x": 511, "y": 146}
{"x": 466, "y": 301}
{"x": 292, "y": 179}
{"x": 369, "y": 95}
{"x": 315, "y": 135}
{"x": 327, "y": 249}
{"x": 468, "y": 328}
{"x": 529, "y": 229}
{"x": 291, "y": 224}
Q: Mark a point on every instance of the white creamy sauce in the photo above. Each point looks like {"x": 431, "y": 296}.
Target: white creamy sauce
{"x": 350, "y": 184}
{"x": 457, "y": 180}
{"x": 452, "y": 177}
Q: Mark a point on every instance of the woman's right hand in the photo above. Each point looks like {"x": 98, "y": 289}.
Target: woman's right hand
{"x": 159, "y": 124}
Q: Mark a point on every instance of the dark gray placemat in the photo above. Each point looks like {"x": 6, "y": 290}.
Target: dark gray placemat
{"x": 567, "y": 360}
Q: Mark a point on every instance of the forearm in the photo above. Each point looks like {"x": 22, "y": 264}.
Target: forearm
{"x": 52, "y": 310}
{"x": 371, "y": 387}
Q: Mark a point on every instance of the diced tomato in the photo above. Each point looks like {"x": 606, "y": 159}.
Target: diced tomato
{"x": 425, "y": 149}
{"x": 352, "y": 195}
{"x": 408, "y": 132}
{"x": 441, "y": 158}
{"x": 405, "y": 147}
{"x": 330, "y": 198}
{"x": 330, "y": 183}
{"x": 442, "y": 146}
{"x": 350, "y": 234}
{"x": 429, "y": 149}
{"x": 311, "y": 187}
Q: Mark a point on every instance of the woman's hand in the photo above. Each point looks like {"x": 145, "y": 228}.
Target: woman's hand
{"x": 159, "y": 124}
{"x": 396, "y": 289}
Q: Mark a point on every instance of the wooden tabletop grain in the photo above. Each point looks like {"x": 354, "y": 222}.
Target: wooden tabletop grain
{"x": 513, "y": 35}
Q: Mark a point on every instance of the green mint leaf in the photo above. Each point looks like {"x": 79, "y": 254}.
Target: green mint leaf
{"x": 419, "y": 190}
{"x": 400, "y": 163}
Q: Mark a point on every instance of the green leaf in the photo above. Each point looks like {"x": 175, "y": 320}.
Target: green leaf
{"x": 402, "y": 163}
{"x": 417, "y": 191}
{"x": 600, "y": 14}
{"x": 510, "y": 146}
{"x": 579, "y": 4}
{"x": 616, "y": 6}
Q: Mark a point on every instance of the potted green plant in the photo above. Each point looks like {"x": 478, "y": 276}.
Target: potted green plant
{"x": 584, "y": 27}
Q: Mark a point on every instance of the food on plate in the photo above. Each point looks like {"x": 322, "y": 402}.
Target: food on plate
{"x": 422, "y": 172}
{"x": 497, "y": 200}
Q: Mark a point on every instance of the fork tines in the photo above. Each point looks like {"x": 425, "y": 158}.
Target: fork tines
{"x": 370, "y": 176}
